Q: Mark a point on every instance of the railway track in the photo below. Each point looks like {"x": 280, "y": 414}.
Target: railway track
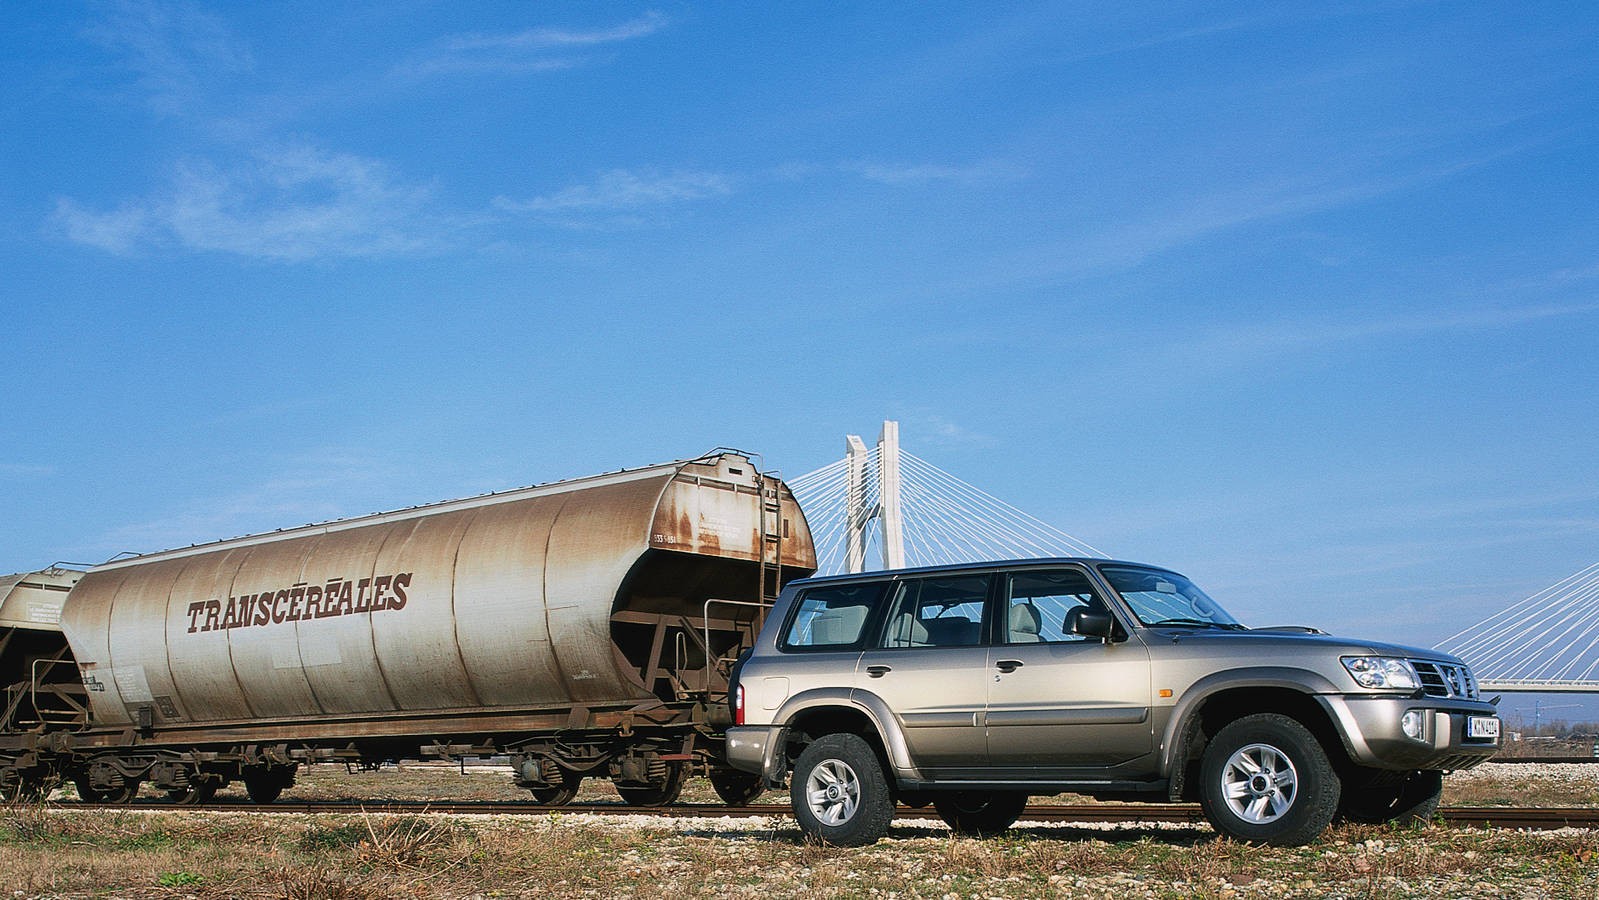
{"x": 1495, "y": 816}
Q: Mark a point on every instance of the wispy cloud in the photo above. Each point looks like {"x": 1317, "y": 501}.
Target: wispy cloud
{"x": 619, "y": 196}
{"x": 1240, "y": 346}
{"x": 21, "y": 471}
{"x": 1242, "y": 343}
{"x": 176, "y": 50}
{"x": 294, "y": 203}
{"x": 937, "y": 431}
{"x": 531, "y": 50}
{"x": 317, "y": 486}
{"x": 1133, "y": 238}
{"x": 915, "y": 174}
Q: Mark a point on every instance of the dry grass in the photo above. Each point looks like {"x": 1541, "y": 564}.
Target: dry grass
{"x": 54, "y": 852}
{"x": 1525, "y": 785}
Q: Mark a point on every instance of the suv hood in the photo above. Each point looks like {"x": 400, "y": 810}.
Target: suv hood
{"x": 1287, "y": 638}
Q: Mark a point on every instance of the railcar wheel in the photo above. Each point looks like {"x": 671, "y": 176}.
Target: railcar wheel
{"x": 86, "y": 792}
{"x": 557, "y": 795}
{"x": 18, "y": 787}
{"x": 737, "y": 788}
{"x": 1406, "y": 798}
{"x": 123, "y": 793}
{"x": 194, "y": 793}
{"x": 263, "y": 790}
{"x": 1265, "y": 779}
{"x": 980, "y": 813}
{"x": 839, "y": 792}
{"x": 659, "y": 793}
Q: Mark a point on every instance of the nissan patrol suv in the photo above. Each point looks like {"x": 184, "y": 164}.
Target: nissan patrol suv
{"x": 974, "y": 687}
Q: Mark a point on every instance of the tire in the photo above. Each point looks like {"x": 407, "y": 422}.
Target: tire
{"x": 840, "y": 795}
{"x": 737, "y": 788}
{"x": 980, "y": 813}
{"x": 1404, "y": 798}
{"x": 557, "y": 795}
{"x": 1265, "y": 779}
{"x": 661, "y": 793}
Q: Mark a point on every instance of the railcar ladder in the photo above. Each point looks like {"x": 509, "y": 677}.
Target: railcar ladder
{"x": 770, "y": 584}
{"x": 771, "y": 538}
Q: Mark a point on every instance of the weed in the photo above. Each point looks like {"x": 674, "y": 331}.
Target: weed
{"x": 317, "y": 883}
{"x": 179, "y": 879}
{"x": 26, "y": 822}
{"x": 329, "y": 838}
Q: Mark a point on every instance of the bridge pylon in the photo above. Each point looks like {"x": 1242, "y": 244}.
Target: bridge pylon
{"x": 884, "y": 503}
{"x": 886, "y": 511}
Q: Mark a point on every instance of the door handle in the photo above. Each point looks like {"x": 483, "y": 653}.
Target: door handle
{"x": 878, "y": 671}
{"x": 1008, "y": 665}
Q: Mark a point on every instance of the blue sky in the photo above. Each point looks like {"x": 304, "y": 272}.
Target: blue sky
{"x": 1300, "y": 299}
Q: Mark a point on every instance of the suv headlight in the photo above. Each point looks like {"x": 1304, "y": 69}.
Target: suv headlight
{"x": 1382, "y": 672}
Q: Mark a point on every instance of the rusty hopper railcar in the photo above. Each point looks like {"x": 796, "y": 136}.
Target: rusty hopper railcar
{"x": 584, "y": 628}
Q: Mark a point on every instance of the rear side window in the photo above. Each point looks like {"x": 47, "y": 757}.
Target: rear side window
{"x": 832, "y": 618}
{"x": 939, "y": 612}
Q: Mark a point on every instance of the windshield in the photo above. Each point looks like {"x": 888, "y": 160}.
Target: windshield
{"x": 1166, "y": 598}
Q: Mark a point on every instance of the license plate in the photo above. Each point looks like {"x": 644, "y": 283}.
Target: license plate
{"x": 1482, "y": 727}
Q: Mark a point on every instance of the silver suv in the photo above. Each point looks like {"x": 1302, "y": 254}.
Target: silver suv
{"x": 973, "y": 687}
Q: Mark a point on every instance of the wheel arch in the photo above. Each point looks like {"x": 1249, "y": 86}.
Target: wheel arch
{"x": 813, "y": 714}
{"x": 1226, "y": 697}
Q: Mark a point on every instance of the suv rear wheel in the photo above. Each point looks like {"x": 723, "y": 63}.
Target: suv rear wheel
{"x": 980, "y": 814}
{"x": 1266, "y": 779}
{"x": 840, "y": 795}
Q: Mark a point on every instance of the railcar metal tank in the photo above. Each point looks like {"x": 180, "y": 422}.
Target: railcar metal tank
{"x": 33, "y": 600}
{"x": 575, "y": 595}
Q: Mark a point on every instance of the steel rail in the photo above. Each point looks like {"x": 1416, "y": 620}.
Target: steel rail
{"x": 1520, "y": 760}
{"x": 1490, "y": 816}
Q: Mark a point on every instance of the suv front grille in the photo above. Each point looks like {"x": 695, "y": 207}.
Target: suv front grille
{"x": 1445, "y": 680}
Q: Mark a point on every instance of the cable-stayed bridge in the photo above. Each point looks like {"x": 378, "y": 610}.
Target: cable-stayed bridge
{"x": 1547, "y": 642}
{"x": 884, "y": 508}
{"x": 923, "y": 516}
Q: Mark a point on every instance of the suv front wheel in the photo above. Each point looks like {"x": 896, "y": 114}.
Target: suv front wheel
{"x": 1266, "y": 779}
{"x": 839, "y": 792}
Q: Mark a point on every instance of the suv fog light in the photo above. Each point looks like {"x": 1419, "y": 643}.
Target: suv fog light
{"x": 1410, "y": 723}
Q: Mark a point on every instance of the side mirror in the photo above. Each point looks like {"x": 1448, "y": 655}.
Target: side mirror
{"x": 1095, "y": 623}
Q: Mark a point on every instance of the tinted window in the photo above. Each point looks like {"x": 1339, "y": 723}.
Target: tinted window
{"x": 938, "y": 612}
{"x": 832, "y": 617}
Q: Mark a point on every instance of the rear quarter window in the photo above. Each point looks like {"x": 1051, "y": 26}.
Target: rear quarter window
{"x": 832, "y": 618}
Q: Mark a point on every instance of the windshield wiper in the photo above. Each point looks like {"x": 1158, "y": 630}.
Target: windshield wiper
{"x": 1199, "y": 623}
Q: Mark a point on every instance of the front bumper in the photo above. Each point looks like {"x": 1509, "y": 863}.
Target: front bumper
{"x": 1374, "y": 737}
{"x": 752, "y": 748}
